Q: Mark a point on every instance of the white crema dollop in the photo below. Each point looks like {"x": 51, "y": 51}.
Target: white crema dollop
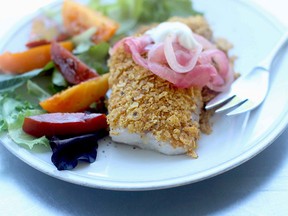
{"x": 182, "y": 32}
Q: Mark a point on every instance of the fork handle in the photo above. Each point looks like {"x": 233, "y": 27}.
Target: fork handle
{"x": 268, "y": 61}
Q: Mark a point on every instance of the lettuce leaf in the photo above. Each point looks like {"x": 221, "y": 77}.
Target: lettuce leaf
{"x": 83, "y": 40}
{"x": 125, "y": 12}
{"x": 11, "y": 82}
{"x": 13, "y": 110}
{"x": 37, "y": 91}
{"x": 131, "y": 13}
{"x": 161, "y": 10}
{"x": 58, "y": 80}
{"x": 19, "y": 136}
{"x": 96, "y": 57}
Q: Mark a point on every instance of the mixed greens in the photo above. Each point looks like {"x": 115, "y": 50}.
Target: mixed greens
{"x": 134, "y": 13}
{"x": 22, "y": 92}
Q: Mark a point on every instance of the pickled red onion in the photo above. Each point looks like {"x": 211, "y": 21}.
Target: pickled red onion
{"x": 206, "y": 44}
{"x": 224, "y": 77}
{"x": 174, "y": 60}
{"x": 182, "y": 67}
{"x": 137, "y": 46}
{"x": 197, "y": 77}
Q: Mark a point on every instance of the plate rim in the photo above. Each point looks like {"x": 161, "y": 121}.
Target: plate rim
{"x": 257, "y": 147}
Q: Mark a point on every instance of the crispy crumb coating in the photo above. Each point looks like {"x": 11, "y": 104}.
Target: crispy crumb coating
{"x": 142, "y": 102}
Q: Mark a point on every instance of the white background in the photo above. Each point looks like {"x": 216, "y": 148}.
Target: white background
{"x": 263, "y": 194}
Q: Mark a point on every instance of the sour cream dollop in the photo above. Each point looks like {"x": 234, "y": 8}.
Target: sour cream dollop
{"x": 183, "y": 58}
{"x": 174, "y": 29}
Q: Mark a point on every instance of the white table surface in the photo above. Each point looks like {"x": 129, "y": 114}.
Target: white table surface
{"x": 258, "y": 187}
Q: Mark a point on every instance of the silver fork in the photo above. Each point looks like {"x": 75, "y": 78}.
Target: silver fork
{"x": 249, "y": 90}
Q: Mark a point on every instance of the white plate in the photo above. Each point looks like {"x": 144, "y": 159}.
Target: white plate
{"x": 234, "y": 140}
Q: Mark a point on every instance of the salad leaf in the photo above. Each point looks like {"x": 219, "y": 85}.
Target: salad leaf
{"x": 68, "y": 151}
{"x": 124, "y": 12}
{"x": 11, "y": 82}
{"x": 131, "y": 13}
{"x": 44, "y": 86}
{"x": 83, "y": 40}
{"x": 10, "y": 107}
{"x": 49, "y": 66}
{"x": 37, "y": 91}
{"x": 20, "y": 137}
{"x": 96, "y": 57}
{"x": 12, "y": 113}
{"x": 3, "y": 124}
{"x": 58, "y": 79}
{"x": 161, "y": 10}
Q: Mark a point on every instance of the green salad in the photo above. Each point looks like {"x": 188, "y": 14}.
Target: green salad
{"x": 22, "y": 91}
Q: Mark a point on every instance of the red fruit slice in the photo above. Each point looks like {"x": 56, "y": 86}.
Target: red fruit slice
{"x": 64, "y": 124}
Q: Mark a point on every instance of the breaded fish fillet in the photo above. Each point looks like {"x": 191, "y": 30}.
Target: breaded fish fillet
{"x": 149, "y": 112}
